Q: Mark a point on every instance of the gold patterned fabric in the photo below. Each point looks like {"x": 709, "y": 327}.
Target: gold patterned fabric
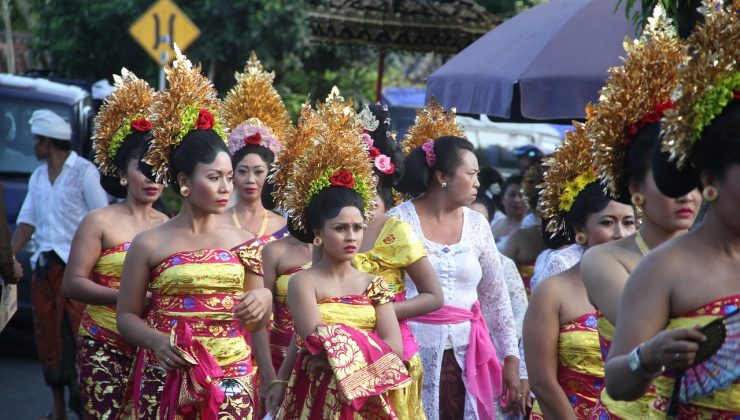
{"x": 720, "y": 405}
{"x": 99, "y": 321}
{"x": 104, "y": 359}
{"x": 358, "y": 363}
{"x": 397, "y": 247}
{"x": 607, "y": 408}
{"x": 199, "y": 288}
{"x": 281, "y": 328}
{"x": 580, "y": 369}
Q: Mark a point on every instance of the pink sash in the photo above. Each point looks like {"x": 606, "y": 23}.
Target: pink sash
{"x": 482, "y": 369}
{"x": 362, "y": 363}
{"x": 192, "y": 390}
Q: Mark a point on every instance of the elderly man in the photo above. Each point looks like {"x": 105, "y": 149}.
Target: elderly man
{"x": 60, "y": 193}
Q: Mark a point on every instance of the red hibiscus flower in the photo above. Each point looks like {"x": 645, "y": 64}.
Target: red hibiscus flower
{"x": 342, "y": 178}
{"x": 141, "y": 125}
{"x": 205, "y": 120}
{"x": 254, "y": 139}
{"x": 373, "y": 152}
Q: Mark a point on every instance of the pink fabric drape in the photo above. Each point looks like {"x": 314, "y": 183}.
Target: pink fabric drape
{"x": 482, "y": 368}
{"x": 193, "y": 390}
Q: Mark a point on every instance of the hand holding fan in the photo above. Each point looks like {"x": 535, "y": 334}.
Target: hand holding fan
{"x": 717, "y": 363}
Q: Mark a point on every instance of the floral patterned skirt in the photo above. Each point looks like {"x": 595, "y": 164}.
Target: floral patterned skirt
{"x": 103, "y": 375}
{"x": 238, "y": 404}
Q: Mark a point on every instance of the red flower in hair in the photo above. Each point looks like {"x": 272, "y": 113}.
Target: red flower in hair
{"x": 254, "y": 139}
{"x": 737, "y": 95}
{"x": 373, "y": 152}
{"x": 342, "y": 178}
{"x": 651, "y": 117}
{"x": 141, "y": 125}
{"x": 205, "y": 120}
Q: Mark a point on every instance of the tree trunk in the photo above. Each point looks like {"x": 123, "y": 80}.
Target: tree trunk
{"x": 9, "y": 47}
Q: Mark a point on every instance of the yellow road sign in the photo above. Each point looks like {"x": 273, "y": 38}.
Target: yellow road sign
{"x": 159, "y": 27}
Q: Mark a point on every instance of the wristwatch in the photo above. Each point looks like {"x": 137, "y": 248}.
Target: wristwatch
{"x": 636, "y": 365}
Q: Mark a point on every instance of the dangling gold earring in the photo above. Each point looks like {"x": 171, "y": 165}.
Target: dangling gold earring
{"x": 317, "y": 242}
{"x": 184, "y": 191}
{"x": 581, "y": 238}
{"x": 710, "y": 193}
{"x": 123, "y": 182}
{"x": 638, "y": 199}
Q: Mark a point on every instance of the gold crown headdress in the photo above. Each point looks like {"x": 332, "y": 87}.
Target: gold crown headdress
{"x": 191, "y": 103}
{"x": 254, "y": 112}
{"x": 636, "y": 93}
{"x": 339, "y": 114}
{"x": 307, "y": 132}
{"x": 338, "y": 158}
{"x": 568, "y": 172}
{"x": 125, "y": 110}
{"x": 708, "y": 82}
{"x": 432, "y": 122}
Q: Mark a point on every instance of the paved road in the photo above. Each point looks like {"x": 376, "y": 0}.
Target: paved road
{"x": 23, "y": 394}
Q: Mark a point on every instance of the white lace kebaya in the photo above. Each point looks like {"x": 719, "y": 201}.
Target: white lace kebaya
{"x": 553, "y": 262}
{"x": 468, "y": 271}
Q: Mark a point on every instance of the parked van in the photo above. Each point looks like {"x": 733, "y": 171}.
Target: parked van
{"x": 19, "y": 98}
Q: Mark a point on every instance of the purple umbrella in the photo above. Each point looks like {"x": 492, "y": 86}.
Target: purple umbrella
{"x": 544, "y": 64}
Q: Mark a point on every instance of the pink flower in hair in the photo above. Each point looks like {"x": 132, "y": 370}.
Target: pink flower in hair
{"x": 428, "y": 149}
{"x": 367, "y": 139}
{"x": 383, "y": 164}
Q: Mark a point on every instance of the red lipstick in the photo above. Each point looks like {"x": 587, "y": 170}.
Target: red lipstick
{"x": 685, "y": 213}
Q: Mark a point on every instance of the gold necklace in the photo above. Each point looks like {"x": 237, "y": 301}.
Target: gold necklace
{"x": 263, "y": 226}
{"x": 644, "y": 248}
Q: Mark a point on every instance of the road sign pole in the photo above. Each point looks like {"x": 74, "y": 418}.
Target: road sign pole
{"x": 161, "y": 79}
{"x": 163, "y": 59}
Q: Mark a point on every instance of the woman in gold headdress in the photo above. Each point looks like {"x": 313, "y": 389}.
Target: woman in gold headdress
{"x": 93, "y": 273}
{"x": 193, "y": 358}
{"x": 625, "y": 130}
{"x": 692, "y": 279}
{"x": 259, "y": 124}
{"x": 282, "y": 258}
{"x": 349, "y": 338}
{"x": 561, "y": 344}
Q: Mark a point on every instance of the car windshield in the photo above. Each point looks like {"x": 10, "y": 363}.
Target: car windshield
{"x": 16, "y": 140}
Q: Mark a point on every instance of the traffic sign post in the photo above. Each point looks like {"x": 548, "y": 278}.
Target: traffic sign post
{"x": 159, "y": 28}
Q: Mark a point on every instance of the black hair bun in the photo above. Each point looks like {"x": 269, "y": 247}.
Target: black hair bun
{"x": 672, "y": 181}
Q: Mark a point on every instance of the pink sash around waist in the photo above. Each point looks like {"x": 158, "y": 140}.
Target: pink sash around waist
{"x": 482, "y": 368}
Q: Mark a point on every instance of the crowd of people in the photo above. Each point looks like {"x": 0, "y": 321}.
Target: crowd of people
{"x": 326, "y": 270}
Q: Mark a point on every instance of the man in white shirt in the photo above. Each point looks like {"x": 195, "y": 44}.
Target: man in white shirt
{"x": 60, "y": 193}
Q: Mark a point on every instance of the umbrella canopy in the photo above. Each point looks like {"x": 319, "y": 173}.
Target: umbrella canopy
{"x": 546, "y": 63}
{"x": 413, "y": 25}
{"x": 442, "y": 26}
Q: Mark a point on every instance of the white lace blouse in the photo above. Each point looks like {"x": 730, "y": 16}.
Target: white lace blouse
{"x": 553, "y": 262}
{"x": 468, "y": 271}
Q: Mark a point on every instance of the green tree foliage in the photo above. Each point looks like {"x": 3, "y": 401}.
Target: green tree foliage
{"x": 90, "y": 40}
